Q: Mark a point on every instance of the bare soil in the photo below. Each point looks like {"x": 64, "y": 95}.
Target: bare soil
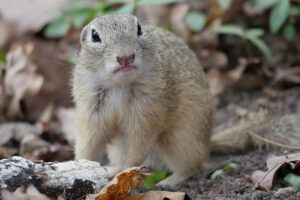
{"x": 236, "y": 183}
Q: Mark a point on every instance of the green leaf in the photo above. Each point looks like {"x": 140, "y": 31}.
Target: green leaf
{"x": 80, "y": 17}
{"x": 2, "y": 57}
{"x": 111, "y": 2}
{"x": 73, "y": 7}
{"x": 289, "y": 31}
{"x": 58, "y": 28}
{"x": 261, "y": 45}
{"x": 294, "y": 10}
{"x": 279, "y": 15}
{"x": 224, "y": 4}
{"x": 216, "y": 174}
{"x": 224, "y": 169}
{"x": 195, "y": 21}
{"x": 127, "y": 8}
{"x": 293, "y": 179}
{"x": 230, "y": 30}
{"x": 2, "y": 61}
{"x": 229, "y": 166}
{"x": 153, "y": 178}
{"x": 155, "y": 2}
{"x": 264, "y": 4}
{"x": 254, "y": 32}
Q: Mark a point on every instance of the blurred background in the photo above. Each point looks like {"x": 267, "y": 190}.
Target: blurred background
{"x": 248, "y": 48}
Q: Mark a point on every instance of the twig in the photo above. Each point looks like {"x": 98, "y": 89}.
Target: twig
{"x": 273, "y": 142}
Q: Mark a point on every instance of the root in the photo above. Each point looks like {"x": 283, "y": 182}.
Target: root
{"x": 267, "y": 141}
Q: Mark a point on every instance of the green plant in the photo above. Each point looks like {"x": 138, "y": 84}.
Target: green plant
{"x": 76, "y": 14}
{"x": 80, "y": 13}
{"x": 195, "y": 21}
{"x": 224, "y": 4}
{"x": 130, "y": 5}
{"x": 2, "y": 61}
{"x": 293, "y": 179}
{"x": 153, "y": 178}
{"x": 224, "y": 169}
{"x": 283, "y": 13}
{"x": 253, "y": 35}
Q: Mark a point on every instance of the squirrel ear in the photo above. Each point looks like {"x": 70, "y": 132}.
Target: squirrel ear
{"x": 83, "y": 35}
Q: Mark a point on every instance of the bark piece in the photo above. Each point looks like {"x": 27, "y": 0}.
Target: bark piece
{"x": 77, "y": 178}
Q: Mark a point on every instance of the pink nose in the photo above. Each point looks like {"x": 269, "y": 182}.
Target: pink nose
{"x": 126, "y": 60}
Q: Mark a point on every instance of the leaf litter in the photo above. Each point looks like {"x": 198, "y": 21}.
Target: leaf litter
{"x": 120, "y": 187}
{"x": 278, "y": 167}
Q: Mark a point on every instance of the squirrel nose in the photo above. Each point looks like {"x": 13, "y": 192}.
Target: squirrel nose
{"x": 126, "y": 60}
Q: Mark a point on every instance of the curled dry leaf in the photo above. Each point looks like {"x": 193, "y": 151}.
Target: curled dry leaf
{"x": 21, "y": 76}
{"x": 277, "y": 165}
{"x": 121, "y": 185}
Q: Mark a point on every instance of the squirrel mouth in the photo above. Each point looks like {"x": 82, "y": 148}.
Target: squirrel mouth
{"x": 125, "y": 68}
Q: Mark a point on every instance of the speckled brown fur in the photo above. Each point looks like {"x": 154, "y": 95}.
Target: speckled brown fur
{"x": 161, "y": 112}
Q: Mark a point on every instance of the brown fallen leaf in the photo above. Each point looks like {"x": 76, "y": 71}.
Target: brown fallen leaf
{"x": 159, "y": 195}
{"x": 121, "y": 185}
{"x": 276, "y": 165}
{"x": 287, "y": 77}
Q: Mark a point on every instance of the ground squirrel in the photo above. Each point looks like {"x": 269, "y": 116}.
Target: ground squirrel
{"x": 142, "y": 98}
{"x": 141, "y": 90}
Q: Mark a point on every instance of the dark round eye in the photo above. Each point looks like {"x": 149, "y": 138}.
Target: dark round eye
{"x": 95, "y": 36}
{"x": 139, "y": 30}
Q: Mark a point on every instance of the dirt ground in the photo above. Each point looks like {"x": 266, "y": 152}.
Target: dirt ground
{"x": 235, "y": 183}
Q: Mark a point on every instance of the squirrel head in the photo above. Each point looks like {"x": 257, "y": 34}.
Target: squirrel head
{"x": 116, "y": 49}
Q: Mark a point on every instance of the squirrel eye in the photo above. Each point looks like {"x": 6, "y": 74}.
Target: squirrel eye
{"x": 95, "y": 36}
{"x": 139, "y": 30}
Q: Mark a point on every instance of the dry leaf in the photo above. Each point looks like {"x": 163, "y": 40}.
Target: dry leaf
{"x": 159, "y": 195}
{"x": 66, "y": 118}
{"x": 17, "y": 131}
{"x": 121, "y": 185}
{"x": 275, "y": 164}
{"x": 31, "y": 194}
{"x": 217, "y": 81}
{"x": 249, "y": 74}
{"x": 287, "y": 77}
{"x": 21, "y": 76}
